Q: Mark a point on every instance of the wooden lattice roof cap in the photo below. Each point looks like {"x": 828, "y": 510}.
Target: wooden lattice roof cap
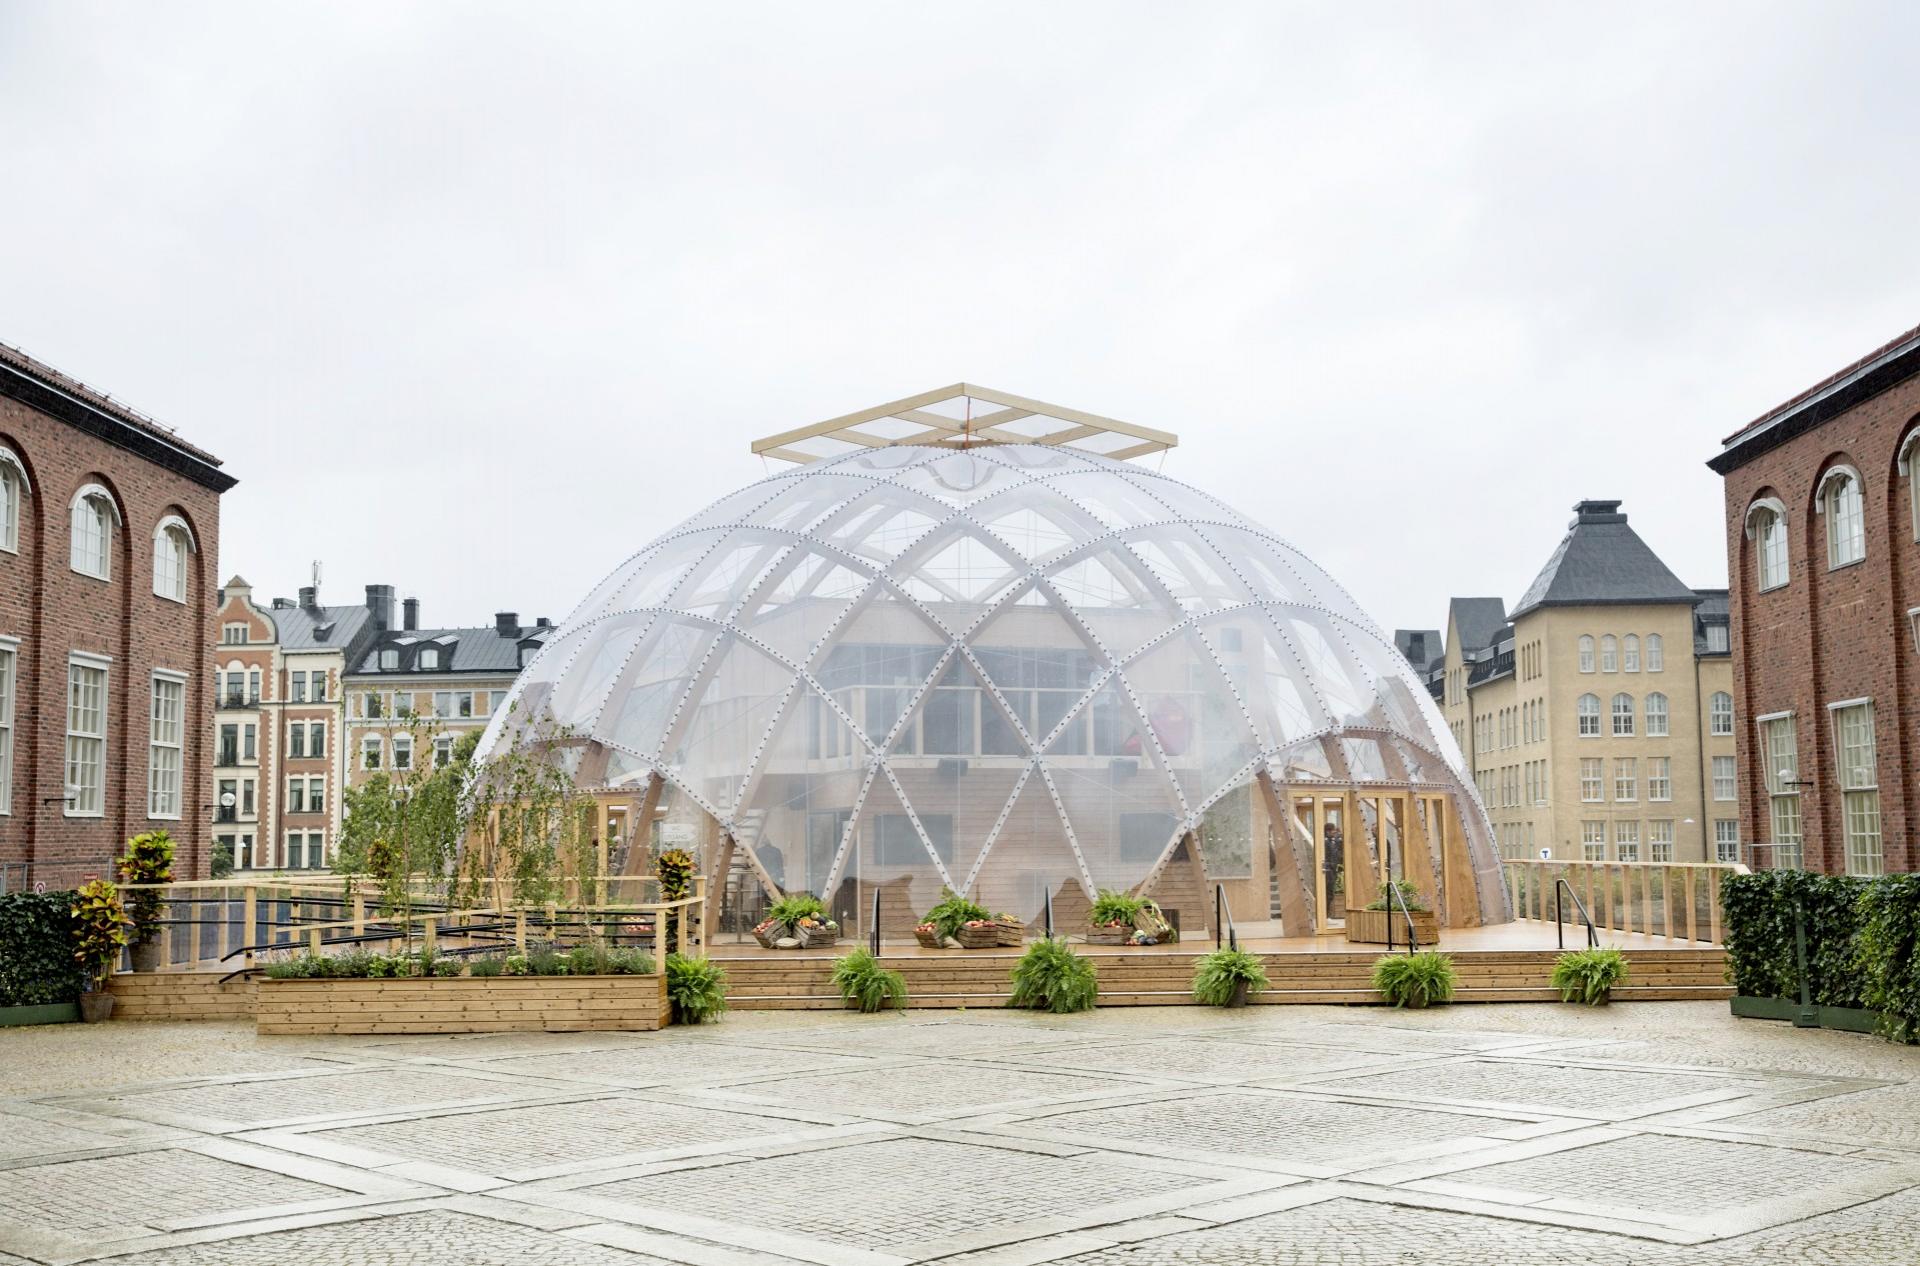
{"x": 965, "y": 416}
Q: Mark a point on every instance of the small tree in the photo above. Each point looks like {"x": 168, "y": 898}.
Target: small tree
{"x": 148, "y": 860}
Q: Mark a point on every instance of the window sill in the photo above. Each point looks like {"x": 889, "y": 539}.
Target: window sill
{"x": 167, "y": 597}
{"x": 1776, "y": 588}
{"x": 1851, "y": 562}
{"x": 91, "y": 575}
{"x": 163, "y": 817}
{"x": 76, "y": 813}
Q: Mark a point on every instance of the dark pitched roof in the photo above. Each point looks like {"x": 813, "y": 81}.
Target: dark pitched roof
{"x": 322, "y": 628}
{"x": 1476, "y": 622}
{"x": 1885, "y": 366}
{"x": 1600, "y": 561}
{"x": 478, "y": 650}
{"x": 1420, "y": 646}
{"x": 65, "y": 397}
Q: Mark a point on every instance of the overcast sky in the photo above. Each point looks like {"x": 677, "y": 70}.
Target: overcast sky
{"x": 475, "y": 301}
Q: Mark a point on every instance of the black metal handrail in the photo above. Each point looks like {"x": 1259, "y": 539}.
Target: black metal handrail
{"x": 1396, "y": 897}
{"x": 1559, "y": 925}
{"x": 1049, "y": 913}
{"x": 1223, "y": 919}
{"x": 873, "y": 933}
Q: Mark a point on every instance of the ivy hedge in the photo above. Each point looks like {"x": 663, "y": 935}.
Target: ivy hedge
{"x": 37, "y": 966}
{"x": 1863, "y": 942}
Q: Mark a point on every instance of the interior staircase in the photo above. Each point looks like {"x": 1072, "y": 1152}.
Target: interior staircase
{"x": 979, "y": 978}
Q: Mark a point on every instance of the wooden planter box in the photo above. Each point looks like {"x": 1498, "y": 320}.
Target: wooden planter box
{"x": 1369, "y": 927}
{"x": 929, "y": 938}
{"x": 1110, "y": 936}
{"x": 44, "y": 1013}
{"x": 1012, "y": 935}
{"x": 986, "y": 936}
{"x": 816, "y": 937}
{"x": 465, "y": 1004}
{"x": 1815, "y": 1015}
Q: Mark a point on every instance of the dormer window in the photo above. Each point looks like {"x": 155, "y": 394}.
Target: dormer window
{"x": 389, "y": 660}
{"x": 429, "y": 657}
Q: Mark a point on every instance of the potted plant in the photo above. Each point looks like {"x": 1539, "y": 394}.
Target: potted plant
{"x": 148, "y": 860}
{"x": 1415, "y": 980}
{"x": 784, "y": 918}
{"x": 866, "y": 985}
{"x": 1381, "y": 921}
{"x": 1225, "y": 977}
{"x": 100, "y": 925}
{"x": 696, "y": 989}
{"x": 674, "y": 869}
{"x": 1051, "y": 977}
{"x": 1110, "y": 921}
{"x": 1589, "y": 975}
{"x": 942, "y": 923}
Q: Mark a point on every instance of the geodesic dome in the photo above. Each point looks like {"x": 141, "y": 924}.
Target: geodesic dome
{"x": 1015, "y": 670}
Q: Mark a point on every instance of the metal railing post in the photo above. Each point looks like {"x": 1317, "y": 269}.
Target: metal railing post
{"x": 1217, "y": 928}
{"x": 1049, "y": 912}
{"x": 873, "y": 933}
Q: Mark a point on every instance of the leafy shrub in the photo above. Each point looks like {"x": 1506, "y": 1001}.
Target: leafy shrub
{"x": 1888, "y": 954}
{"x": 547, "y": 962}
{"x": 37, "y": 967}
{"x": 696, "y": 989}
{"x": 1415, "y": 980}
{"x": 952, "y": 912}
{"x": 100, "y": 928}
{"x": 487, "y": 966}
{"x": 630, "y": 962}
{"x": 1218, "y": 976}
{"x": 868, "y": 986}
{"x": 516, "y": 965}
{"x": 148, "y": 860}
{"x": 791, "y": 909}
{"x": 674, "y": 868}
{"x": 1415, "y": 903}
{"x": 1761, "y": 957}
{"x": 442, "y": 965}
{"x": 1589, "y": 975}
{"x": 1051, "y": 977}
{"x": 1113, "y": 907}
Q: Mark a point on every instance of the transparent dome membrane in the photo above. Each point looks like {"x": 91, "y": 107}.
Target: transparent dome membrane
{"x": 1025, "y": 673}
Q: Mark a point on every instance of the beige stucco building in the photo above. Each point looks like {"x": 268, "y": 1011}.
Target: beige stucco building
{"x": 1597, "y": 716}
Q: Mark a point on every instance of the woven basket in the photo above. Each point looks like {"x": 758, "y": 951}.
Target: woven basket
{"x": 928, "y": 937}
{"x": 986, "y": 936}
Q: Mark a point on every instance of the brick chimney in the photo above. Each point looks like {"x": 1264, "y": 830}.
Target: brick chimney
{"x": 380, "y": 603}
{"x": 410, "y": 614}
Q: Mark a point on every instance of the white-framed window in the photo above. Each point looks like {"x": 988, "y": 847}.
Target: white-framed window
{"x": 1656, "y": 654}
{"x": 306, "y": 850}
{"x": 1623, "y": 715}
{"x": 1660, "y": 840}
{"x": 1626, "y": 841}
{"x": 1720, "y": 714}
{"x": 1592, "y": 780}
{"x": 1630, "y": 654}
{"x": 14, "y": 490}
{"x": 172, "y": 542}
{"x": 1609, "y": 654}
{"x": 1856, "y": 760}
{"x": 1626, "y": 778}
{"x": 1726, "y": 840}
{"x": 443, "y": 751}
{"x": 316, "y": 739}
{"x": 86, "y": 735}
{"x": 1768, "y": 528}
{"x": 1593, "y": 841}
{"x": 253, "y": 685}
{"x": 373, "y": 704}
{"x": 403, "y": 703}
{"x": 296, "y": 741}
{"x": 1719, "y": 638}
{"x": 1656, "y": 715}
{"x": 249, "y": 743}
{"x": 91, "y": 518}
{"x": 168, "y": 725}
{"x": 296, "y": 795}
{"x": 429, "y": 657}
{"x": 403, "y": 751}
{"x": 297, "y": 686}
{"x": 370, "y": 752}
{"x": 1586, "y": 652}
{"x": 389, "y": 659}
{"x": 1659, "y": 777}
{"x": 1723, "y": 782}
{"x": 9, "y": 673}
{"x": 233, "y": 633}
{"x": 1846, "y": 517}
{"x": 1588, "y": 709}
{"x": 1783, "y": 791}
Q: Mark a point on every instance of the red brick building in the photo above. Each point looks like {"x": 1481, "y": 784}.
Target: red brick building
{"x": 1823, "y": 557}
{"x": 109, "y": 534}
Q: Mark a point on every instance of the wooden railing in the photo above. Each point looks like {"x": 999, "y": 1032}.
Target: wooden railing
{"x": 228, "y": 924}
{"x": 1676, "y": 900}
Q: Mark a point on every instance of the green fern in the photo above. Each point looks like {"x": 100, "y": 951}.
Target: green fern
{"x": 866, "y": 985}
{"x": 696, "y": 989}
{"x": 1589, "y": 975}
{"x": 1415, "y": 980}
{"x": 1217, "y": 976}
{"x": 1114, "y": 907}
{"x": 1051, "y": 977}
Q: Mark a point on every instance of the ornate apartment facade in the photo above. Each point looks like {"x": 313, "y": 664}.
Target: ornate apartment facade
{"x": 306, "y": 707}
{"x": 1597, "y": 716}
{"x": 1822, "y": 501}
{"x": 109, "y": 528}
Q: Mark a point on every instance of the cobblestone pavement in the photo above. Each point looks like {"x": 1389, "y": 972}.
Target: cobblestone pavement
{"x": 1652, "y": 1134}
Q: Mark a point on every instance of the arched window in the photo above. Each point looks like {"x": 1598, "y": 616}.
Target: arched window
{"x": 1767, "y": 529}
{"x": 1846, "y": 517}
{"x": 92, "y": 518}
{"x": 1586, "y": 652}
{"x": 1720, "y": 713}
{"x": 1589, "y": 710}
{"x": 1630, "y": 654}
{"x": 1656, "y": 654}
{"x": 172, "y": 541}
{"x": 1656, "y": 715}
{"x": 1907, "y": 449}
{"x": 1623, "y": 715}
{"x": 14, "y": 490}
{"x": 1609, "y": 654}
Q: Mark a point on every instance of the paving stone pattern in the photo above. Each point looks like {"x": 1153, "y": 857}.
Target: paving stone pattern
{"x": 1275, "y": 1135}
